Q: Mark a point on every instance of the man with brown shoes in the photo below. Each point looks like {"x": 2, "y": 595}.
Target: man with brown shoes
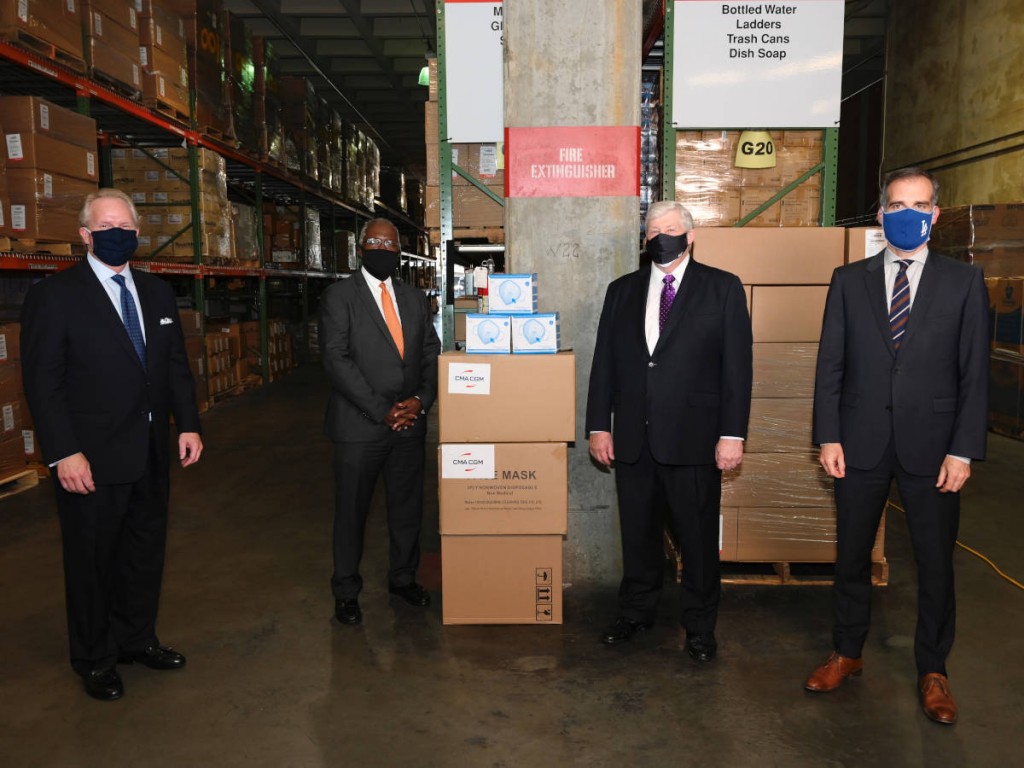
{"x": 901, "y": 393}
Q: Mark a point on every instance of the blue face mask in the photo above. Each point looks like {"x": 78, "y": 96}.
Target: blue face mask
{"x": 907, "y": 229}
{"x": 114, "y": 246}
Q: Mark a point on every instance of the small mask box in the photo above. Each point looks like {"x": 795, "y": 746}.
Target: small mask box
{"x": 488, "y": 334}
{"x": 535, "y": 334}
{"x": 512, "y": 294}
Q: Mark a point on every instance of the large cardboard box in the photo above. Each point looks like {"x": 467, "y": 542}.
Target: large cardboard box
{"x": 45, "y": 205}
{"x": 31, "y": 114}
{"x": 784, "y": 369}
{"x": 58, "y": 24}
{"x": 10, "y": 342}
{"x": 517, "y": 488}
{"x": 470, "y": 207}
{"x": 781, "y": 256}
{"x": 501, "y": 579}
{"x": 1007, "y": 296}
{"x": 863, "y": 242}
{"x": 37, "y": 150}
{"x": 780, "y": 425}
{"x": 787, "y": 312}
{"x": 804, "y": 535}
{"x": 513, "y": 399}
{"x": 777, "y": 480}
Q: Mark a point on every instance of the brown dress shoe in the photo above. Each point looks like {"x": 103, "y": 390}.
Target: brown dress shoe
{"x": 831, "y": 674}
{"x": 937, "y": 699}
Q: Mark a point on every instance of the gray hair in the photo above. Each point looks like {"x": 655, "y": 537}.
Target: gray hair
{"x": 663, "y": 207}
{"x": 378, "y": 220}
{"x": 912, "y": 172}
{"x": 105, "y": 192}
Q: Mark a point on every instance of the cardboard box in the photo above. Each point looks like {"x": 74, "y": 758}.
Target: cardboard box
{"x": 863, "y": 243}
{"x": 10, "y": 342}
{"x": 45, "y": 205}
{"x": 536, "y": 334}
{"x": 488, "y": 334}
{"x": 513, "y": 399}
{"x": 12, "y": 458}
{"x": 510, "y": 294}
{"x": 506, "y": 488}
{"x": 787, "y": 313}
{"x": 784, "y": 369}
{"x": 10, "y": 419}
{"x": 31, "y": 114}
{"x": 1006, "y": 394}
{"x": 782, "y": 256}
{"x": 58, "y": 24}
{"x": 501, "y": 579}
{"x": 805, "y": 535}
{"x": 39, "y": 151}
{"x": 777, "y": 480}
{"x": 1009, "y": 318}
{"x": 780, "y": 425}
{"x": 470, "y": 207}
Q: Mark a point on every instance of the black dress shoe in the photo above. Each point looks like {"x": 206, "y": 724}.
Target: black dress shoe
{"x": 622, "y": 630}
{"x": 154, "y": 657}
{"x": 347, "y": 611}
{"x": 104, "y": 684}
{"x": 412, "y": 593}
{"x": 702, "y": 648}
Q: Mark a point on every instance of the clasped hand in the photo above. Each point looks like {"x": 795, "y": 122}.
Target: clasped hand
{"x": 403, "y": 414}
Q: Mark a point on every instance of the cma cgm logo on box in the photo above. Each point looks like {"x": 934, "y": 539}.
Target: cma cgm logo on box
{"x": 467, "y": 462}
{"x": 469, "y": 378}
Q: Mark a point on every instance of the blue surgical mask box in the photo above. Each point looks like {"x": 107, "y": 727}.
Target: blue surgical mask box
{"x": 512, "y": 294}
{"x": 535, "y": 334}
{"x": 488, "y": 334}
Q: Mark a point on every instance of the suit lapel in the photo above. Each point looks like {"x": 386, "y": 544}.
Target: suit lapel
{"x": 405, "y": 296}
{"x": 878, "y": 302}
{"x": 103, "y": 310}
{"x": 149, "y": 311}
{"x": 635, "y": 305}
{"x": 930, "y": 275}
{"x": 688, "y": 287}
{"x": 366, "y": 295}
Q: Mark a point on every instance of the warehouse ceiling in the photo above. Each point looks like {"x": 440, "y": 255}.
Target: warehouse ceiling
{"x": 365, "y": 57}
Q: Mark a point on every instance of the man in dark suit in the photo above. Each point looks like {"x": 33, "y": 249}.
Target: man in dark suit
{"x": 104, "y": 369}
{"x": 380, "y": 352}
{"x": 901, "y": 392}
{"x": 672, "y": 369}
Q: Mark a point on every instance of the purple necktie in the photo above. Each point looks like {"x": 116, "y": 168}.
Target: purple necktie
{"x": 668, "y": 295}
{"x": 899, "y": 307}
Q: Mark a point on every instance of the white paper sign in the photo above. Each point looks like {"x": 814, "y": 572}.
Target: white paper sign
{"x": 465, "y": 378}
{"x": 474, "y": 38}
{"x": 756, "y": 64}
{"x": 467, "y": 462}
{"x": 14, "y": 149}
{"x": 874, "y": 241}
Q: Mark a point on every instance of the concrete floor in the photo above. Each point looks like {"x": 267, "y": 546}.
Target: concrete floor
{"x": 272, "y": 680}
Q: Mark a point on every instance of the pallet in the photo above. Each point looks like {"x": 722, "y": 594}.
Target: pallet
{"x": 115, "y": 84}
{"x": 18, "y": 482}
{"x": 43, "y": 48}
{"x": 50, "y": 247}
{"x": 42, "y": 471}
{"x": 168, "y": 110}
{"x": 793, "y": 574}
{"x": 493, "y": 235}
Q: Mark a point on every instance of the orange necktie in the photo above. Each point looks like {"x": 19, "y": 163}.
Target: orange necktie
{"x": 391, "y": 318}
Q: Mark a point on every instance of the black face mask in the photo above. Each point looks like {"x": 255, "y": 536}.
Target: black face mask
{"x": 114, "y": 246}
{"x": 664, "y": 249}
{"x": 380, "y": 263}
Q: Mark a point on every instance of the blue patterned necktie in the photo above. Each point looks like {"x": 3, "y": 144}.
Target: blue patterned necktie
{"x": 131, "y": 319}
{"x": 668, "y": 295}
{"x": 899, "y": 307}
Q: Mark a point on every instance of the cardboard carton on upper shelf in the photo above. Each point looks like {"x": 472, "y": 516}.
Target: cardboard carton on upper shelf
{"x": 506, "y": 488}
{"x": 56, "y": 24}
{"x": 780, "y": 256}
{"x": 31, "y": 114}
{"x": 513, "y": 398}
{"x": 503, "y": 579}
{"x": 39, "y": 151}
{"x": 10, "y": 342}
{"x": 44, "y": 205}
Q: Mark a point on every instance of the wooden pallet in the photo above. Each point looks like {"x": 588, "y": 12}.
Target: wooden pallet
{"x": 42, "y": 471}
{"x": 51, "y": 247}
{"x": 794, "y": 574}
{"x": 493, "y": 235}
{"x": 43, "y": 48}
{"x": 168, "y": 110}
{"x": 115, "y": 84}
{"x": 18, "y": 482}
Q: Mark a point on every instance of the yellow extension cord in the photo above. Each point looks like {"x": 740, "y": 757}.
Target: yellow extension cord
{"x": 974, "y": 552}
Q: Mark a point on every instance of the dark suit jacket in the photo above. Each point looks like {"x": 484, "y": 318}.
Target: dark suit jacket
{"x": 367, "y": 375}
{"x": 693, "y": 389}
{"x": 933, "y": 396}
{"x": 85, "y": 385}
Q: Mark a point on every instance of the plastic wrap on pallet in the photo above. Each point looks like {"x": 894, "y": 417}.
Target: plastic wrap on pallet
{"x": 204, "y": 35}
{"x": 799, "y": 535}
{"x": 240, "y": 81}
{"x": 244, "y": 221}
{"x": 1006, "y": 394}
{"x": 784, "y": 369}
{"x": 314, "y": 248}
{"x": 990, "y": 236}
{"x": 719, "y": 194}
{"x": 268, "y": 99}
{"x": 777, "y": 480}
{"x": 780, "y": 425}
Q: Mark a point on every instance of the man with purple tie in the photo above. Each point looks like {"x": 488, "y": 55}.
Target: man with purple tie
{"x": 672, "y": 370}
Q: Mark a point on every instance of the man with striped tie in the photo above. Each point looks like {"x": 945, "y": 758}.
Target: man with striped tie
{"x": 901, "y": 393}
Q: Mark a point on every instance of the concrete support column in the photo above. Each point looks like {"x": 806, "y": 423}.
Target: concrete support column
{"x": 576, "y": 63}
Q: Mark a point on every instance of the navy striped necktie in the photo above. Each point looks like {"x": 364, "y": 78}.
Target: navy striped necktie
{"x": 899, "y": 307}
{"x": 131, "y": 319}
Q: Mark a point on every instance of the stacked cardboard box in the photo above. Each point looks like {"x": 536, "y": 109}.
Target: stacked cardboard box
{"x": 282, "y": 236}
{"x": 239, "y": 81}
{"x": 331, "y": 149}
{"x": 720, "y": 194}
{"x": 204, "y": 36}
{"x": 157, "y": 181}
{"x": 112, "y": 42}
{"x": 225, "y": 366}
{"x": 504, "y": 422}
{"x": 362, "y": 167}
{"x": 778, "y": 506}
{"x": 51, "y": 165}
{"x": 46, "y": 23}
{"x": 192, "y": 328}
{"x": 280, "y": 358}
{"x": 299, "y": 107}
{"x": 990, "y": 236}
{"x": 1006, "y": 381}
{"x": 163, "y": 52}
{"x": 17, "y": 435}
{"x": 267, "y": 107}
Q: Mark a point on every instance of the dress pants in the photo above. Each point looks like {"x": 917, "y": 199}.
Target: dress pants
{"x": 113, "y": 543}
{"x": 691, "y": 497}
{"x": 933, "y": 519}
{"x": 356, "y": 469}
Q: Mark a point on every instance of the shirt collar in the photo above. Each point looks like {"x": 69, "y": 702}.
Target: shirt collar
{"x": 374, "y": 283}
{"x": 921, "y": 256}
{"x": 658, "y": 276}
{"x": 104, "y": 272}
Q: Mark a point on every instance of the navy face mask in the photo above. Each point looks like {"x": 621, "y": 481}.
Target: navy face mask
{"x": 664, "y": 249}
{"x": 907, "y": 229}
{"x": 114, "y": 246}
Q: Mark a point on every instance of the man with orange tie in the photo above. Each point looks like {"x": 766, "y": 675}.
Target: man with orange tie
{"x": 380, "y": 352}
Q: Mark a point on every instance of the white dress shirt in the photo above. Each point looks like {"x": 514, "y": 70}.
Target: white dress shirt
{"x": 652, "y": 329}
{"x": 914, "y": 270}
{"x": 105, "y": 275}
{"x": 374, "y": 284}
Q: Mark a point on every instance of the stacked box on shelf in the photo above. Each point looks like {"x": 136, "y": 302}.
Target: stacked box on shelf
{"x": 267, "y": 107}
{"x": 4, "y": 201}
{"x": 225, "y": 365}
{"x": 392, "y": 188}
{"x": 157, "y": 179}
{"x": 205, "y": 39}
{"x": 17, "y": 438}
{"x": 282, "y": 236}
{"x": 280, "y": 358}
{"x": 299, "y": 107}
{"x": 314, "y": 258}
{"x": 163, "y": 51}
{"x": 362, "y": 168}
{"x": 324, "y": 144}
{"x": 504, "y": 422}
{"x": 51, "y": 165}
{"x": 990, "y": 236}
{"x": 111, "y": 30}
{"x": 245, "y": 234}
{"x": 240, "y": 81}
{"x": 336, "y": 153}
{"x": 43, "y": 23}
{"x": 719, "y": 194}
{"x": 778, "y": 506}
{"x": 192, "y": 329}
{"x": 414, "y": 200}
